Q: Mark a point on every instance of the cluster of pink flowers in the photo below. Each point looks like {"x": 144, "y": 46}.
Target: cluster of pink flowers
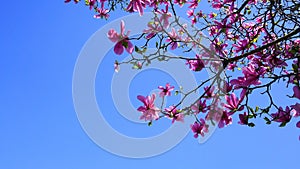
{"x": 225, "y": 41}
{"x": 232, "y": 35}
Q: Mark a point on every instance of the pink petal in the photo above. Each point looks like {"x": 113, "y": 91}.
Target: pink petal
{"x": 112, "y": 35}
{"x": 298, "y": 124}
{"x": 122, "y": 27}
{"x": 142, "y": 99}
{"x": 296, "y": 90}
{"x": 118, "y": 49}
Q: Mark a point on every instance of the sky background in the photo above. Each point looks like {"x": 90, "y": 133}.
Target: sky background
{"x": 40, "y": 42}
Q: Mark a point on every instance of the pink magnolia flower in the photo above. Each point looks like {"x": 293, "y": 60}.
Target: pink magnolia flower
{"x": 296, "y": 90}
{"x": 195, "y": 64}
{"x": 174, "y": 114}
{"x": 172, "y": 39}
{"x": 225, "y": 120}
{"x": 243, "y": 119}
{"x": 251, "y": 77}
{"x": 194, "y": 20}
{"x": 217, "y": 4}
{"x": 194, "y": 4}
{"x": 199, "y": 128}
{"x": 180, "y": 2}
{"x": 148, "y": 110}
{"x": 213, "y": 30}
{"x": 91, "y": 3}
{"x": 209, "y": 91}
{"x": 200, "y": 107}
{"x": 219, "y": 47}
{"x": 116, "y": 67}
{"x": 153, "y": 28}
{"x": 241, "y": 46}
{"x": 212, "y": 15}
{"x": 76, "y": 1}
{"x": 296, "y": 110}
{"x": 190, "y": 13}
{"x": 274, "y": 61}
{"x": 164, "y": 18}
{"x": 252, "y": 2}
{"x": 165, "y": 91}
{"x": 137, "y": 5}
{"x": 121, "y": 39}
{"x": 233, "y": 102}
{"x": 231, "y": 66}
{"x": 282, "y": 116}
{"x": 226, "y": 88}
{"x": 298, "y": 124}
{"x": 102, "y": 13}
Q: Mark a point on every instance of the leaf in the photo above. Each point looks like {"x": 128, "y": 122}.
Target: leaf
{"x": 250, "y": 116}
{"x": 265, "y": 110}
{"x": 136, "y": 49}
{"x": 251, "y": 109}
{"x": 283, "y": 124}
{"x": 295, "y": 67}
{"x": 256, "y": 109}
{"x": 150, "y": 123}
{"x": 268, "y": 121}
{"x": 251, "y": 124}
{"x": 125, "y": 44}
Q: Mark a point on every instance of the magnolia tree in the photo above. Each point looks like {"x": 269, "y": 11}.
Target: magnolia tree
{"x": 253, "y": 44}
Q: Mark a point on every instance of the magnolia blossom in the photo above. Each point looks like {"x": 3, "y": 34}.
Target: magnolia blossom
{"x": 164, "y": 17}
{"x": 199, "y": 128}
{"x": 195, "y": 64}
{"x": 298, "y": 124}
{"x": 243, "y": 119}
{"x": 173, "y": 113}
{"x": 209, "y": 91}
{"x": 91, "y": 3}
{"x": 225, "y": 120}
{"x": 149, "y": 110}
{"x": 172, "y": 39}
{"x": 102, "y": 13}
{"x": 296, "y": 110}
{"x": 251, "y": 77}
{"x": 76, "y": 1}
{"x": 296, "y": 90}
{"x": 226, "y": 88}
{"x": 194, "y": 4}
{"x": 153, "y": 28}
{"x": 137, "y": 5}
{"x": 200, "y": 107}
{"x": 116, "y": 67}
{"x": 217, "y": 4}
{"x": 233, "y": 102}
{"x": 242, "y": 45}
{"x": 165, "y": 91}
{"x": 282, "y": 116}
{"x": 121, "y": 39}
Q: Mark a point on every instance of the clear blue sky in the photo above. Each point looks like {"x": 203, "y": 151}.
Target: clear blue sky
{"x": 40, "y": 42}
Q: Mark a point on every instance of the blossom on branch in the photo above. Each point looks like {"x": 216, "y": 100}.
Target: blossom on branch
{"x": 174, "y": 114}
{"x": 137, "y": 5}
{"x": 149, "y": 110}
{"x": 166, "y": 91}
{"x": 199, "y": 128}
{"x": 121, "y": 39}
{"x": 195, "y": 64}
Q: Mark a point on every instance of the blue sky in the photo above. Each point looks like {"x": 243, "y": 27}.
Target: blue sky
{"x": 39, "y": 128}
